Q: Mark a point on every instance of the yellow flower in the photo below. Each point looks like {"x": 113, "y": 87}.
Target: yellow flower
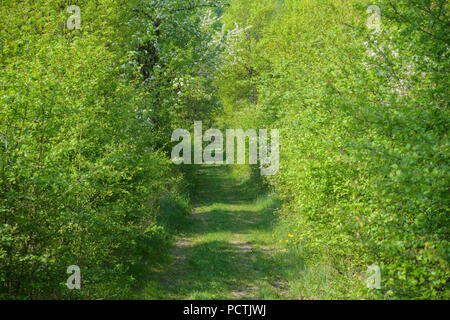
{"x": 287, "y": 240}
{"x": 290, "y": 235}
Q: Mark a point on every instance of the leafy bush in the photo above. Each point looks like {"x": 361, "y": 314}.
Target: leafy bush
{"x": 363, "y": 117}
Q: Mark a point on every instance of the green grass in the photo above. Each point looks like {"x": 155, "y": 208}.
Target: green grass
{"x": 229, "y": 248}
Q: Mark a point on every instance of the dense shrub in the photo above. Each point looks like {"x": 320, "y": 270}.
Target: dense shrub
{"x": 364, "y": 119}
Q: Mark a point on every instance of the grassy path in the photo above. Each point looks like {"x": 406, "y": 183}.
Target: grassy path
{"x": 227, "y": 250}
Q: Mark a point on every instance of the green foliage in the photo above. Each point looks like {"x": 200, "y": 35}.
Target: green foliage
{"x": 364, "y": 124}
{"x": 84, "y": 123}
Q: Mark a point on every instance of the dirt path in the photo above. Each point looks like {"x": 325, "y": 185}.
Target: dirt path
{"x": 227, "y": 251}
